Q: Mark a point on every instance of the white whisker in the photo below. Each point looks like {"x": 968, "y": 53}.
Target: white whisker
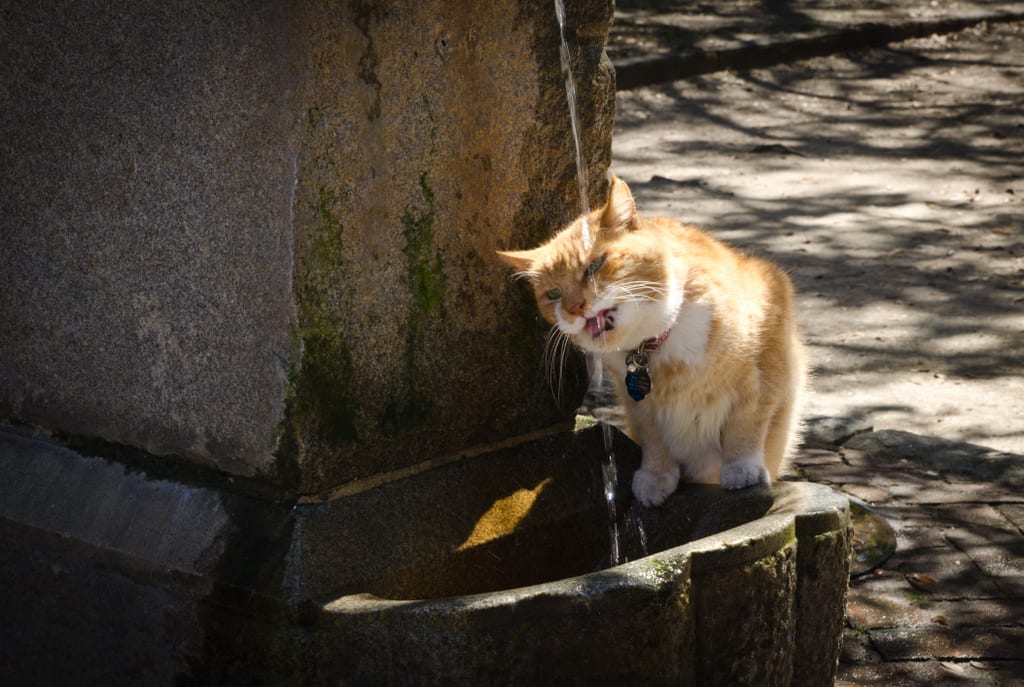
{"x": 637, "y": 290}
{"x": 556, "y": 348}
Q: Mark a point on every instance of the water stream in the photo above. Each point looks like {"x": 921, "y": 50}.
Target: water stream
{"x": 610, "y": 473}
{"x": 570, "y": 96}
{"x": 629, "y": 525}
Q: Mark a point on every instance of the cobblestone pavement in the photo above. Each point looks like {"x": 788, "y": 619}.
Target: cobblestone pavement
{"x": 888, "y": 181}
{"x": 948, "y": 607}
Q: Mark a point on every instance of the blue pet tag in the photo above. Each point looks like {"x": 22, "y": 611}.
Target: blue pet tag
{"x": 638, "y": 379}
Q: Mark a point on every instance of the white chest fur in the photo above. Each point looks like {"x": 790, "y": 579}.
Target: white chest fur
{"x": 675, "y": 420}
{"x": 689, "y": 336}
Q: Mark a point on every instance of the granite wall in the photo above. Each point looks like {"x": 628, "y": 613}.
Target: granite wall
{"x": 258, "y": 237}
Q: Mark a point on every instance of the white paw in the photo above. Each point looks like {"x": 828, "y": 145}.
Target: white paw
{"x": 745, "y": 472}
{"x": 652, "y": 488}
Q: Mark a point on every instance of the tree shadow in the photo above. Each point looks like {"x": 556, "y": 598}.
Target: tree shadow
{"x": 944, "y": 268}
{"x": 665, "y": 26}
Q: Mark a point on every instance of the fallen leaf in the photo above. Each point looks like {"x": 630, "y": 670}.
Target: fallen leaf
{"x": 940, "y": 620}
{"x": 920, "y": 581}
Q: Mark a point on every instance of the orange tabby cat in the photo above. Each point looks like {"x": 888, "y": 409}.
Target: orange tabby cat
{"x": 700, "y": 340}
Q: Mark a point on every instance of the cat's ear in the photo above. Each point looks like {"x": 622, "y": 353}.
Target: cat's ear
{"x": 620, "y": 212}
{"x": 521, "y": 260}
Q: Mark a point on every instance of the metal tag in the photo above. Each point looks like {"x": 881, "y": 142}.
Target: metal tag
{"x": 638, "y": 379}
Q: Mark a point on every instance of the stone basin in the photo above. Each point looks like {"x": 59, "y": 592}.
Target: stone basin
{"x": 739, "y": 588}
{"x": 479, "y": 569}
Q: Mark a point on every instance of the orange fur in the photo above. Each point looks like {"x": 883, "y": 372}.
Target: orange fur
{"x": 726, "y": 381}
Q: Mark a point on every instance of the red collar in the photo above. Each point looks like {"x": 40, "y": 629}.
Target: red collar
{"x": 651, "y": 345}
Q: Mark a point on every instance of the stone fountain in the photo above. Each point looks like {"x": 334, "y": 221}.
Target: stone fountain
{"x": 273, "y": 414}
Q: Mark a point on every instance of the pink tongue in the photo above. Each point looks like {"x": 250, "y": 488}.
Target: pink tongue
{"x": 595, "y": 325}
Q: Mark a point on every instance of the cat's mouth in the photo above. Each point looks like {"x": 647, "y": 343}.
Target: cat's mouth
{"x": 603, "y": 321}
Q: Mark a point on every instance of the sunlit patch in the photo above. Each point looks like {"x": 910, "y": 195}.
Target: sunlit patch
{"x": 503, "y": 516}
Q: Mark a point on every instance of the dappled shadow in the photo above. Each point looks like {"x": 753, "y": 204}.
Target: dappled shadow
{"x": 951, "y": 589}
{"x": 664, "y": 26}
{"x": 888, "y": 183}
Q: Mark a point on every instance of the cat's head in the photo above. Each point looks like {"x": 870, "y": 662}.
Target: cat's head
{"x": 613, "y": 294}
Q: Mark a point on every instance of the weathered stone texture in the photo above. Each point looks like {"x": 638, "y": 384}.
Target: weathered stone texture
{"x": 748, "y": 611}
{"x": 433, "y": 134}
{"x": 166, "y": 583}
{"x": 261, "y": 237}
{"x": 603, "y": 629}
{"x": 147, "y": 173}
{"x": 823, "y": 569}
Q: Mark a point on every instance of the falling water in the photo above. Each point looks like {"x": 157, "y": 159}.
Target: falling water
{"x": 609, "y": 471}
{"x": 608, "y": 467}
{"x": 570, "y": 96}
{"x": 630, "y": 522}
{"x": 626, "y": 534}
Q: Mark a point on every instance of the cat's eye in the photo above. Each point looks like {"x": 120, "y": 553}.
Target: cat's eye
{"x": 593, "y": 267}
{"x": 554, "y": 294}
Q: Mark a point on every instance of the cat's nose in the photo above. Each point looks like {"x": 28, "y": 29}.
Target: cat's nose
{"x": 578, "y": 308}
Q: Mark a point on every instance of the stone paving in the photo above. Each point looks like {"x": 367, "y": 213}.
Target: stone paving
{"x": 947, "y": 607}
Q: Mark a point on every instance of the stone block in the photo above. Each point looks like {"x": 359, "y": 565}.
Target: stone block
{"x": 1014, "y": 512}
{"x": 998, "y": 552}
{"x": 977, "y": 613}
{"x": 742, "y": 607}
{"x": 913, "y": 643}
{"x": 925, "y": 672}
{"x": 856, "y": 458}
{"x": 868, "y": 493}
{"x": 871, "y": 611}
{"x": 148, "y": 171}
{"x": 983, "y": 515}
{"x": 833, "y": 474}
{"x": 261, "y": 239}
{"x": 431, "y": 135}
{"x": 1011, "y": 586}
{"x": 817, "y": 456}
{"x": 946, "y": 573}
{"x": 856, "y": 650}
{"x": 868, "y": 610}
{"x": 911, "y": 538}
{"x": 970, "y": 490}
{"x": 823, "y": 568}
{"x": 942, "y": 455}
{"x": 827, "y": 432}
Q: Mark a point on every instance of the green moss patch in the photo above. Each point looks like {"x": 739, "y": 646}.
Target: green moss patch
{"x": 320, "y": 395}
{"x": 428, "y": 286}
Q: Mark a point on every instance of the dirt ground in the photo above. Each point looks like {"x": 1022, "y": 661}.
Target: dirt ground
{"x": 890, "y": 184}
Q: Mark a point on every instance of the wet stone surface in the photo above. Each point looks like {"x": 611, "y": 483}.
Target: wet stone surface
{"x": 874, "y": 540}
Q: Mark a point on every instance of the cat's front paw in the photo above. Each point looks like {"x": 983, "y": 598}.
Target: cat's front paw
{"x": 652, "y": 488}
{"x": 745, "y": 472}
